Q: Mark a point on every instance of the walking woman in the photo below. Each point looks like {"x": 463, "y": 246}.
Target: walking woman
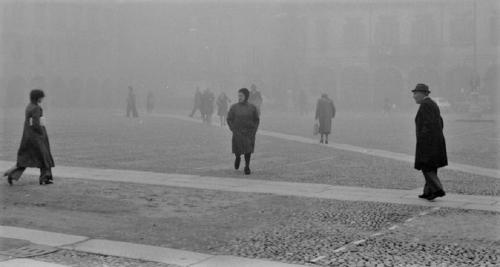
{"x": 222, "y": 107}
{"x": 243, "y": 120}
{"x": 325, "y": 112}
{"x": 34, "y": 151}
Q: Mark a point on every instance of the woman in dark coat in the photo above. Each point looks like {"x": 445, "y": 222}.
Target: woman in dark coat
{"x": 34, "y": 151}
{"x": 325, "y": 112}
{"x": 430, "y": 152}
{"x": 243, "y": 120}
{"x": 222, "y": 107}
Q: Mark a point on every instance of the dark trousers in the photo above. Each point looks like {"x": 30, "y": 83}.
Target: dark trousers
{"x": 432, "y": 182}
{"x": 16, "y": 172}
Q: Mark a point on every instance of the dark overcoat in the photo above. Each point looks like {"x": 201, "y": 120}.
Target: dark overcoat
{"x": 325, "y": 112}
{"x": 243, "y": 120}
{"x": 34, "y": 150}
{"x": 431, "y": 147}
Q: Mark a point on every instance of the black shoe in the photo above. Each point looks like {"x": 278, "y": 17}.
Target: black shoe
{"x": 326, "y": 142}
{"x": 423, "y": 196}
{"x": 440, "y": 193}
{"x": 45, "y": 182}
{"x": 237, "y": 163}
{"x": 247, "y": 170}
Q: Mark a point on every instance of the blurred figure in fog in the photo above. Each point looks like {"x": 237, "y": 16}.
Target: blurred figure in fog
{"x": 430, "y": 152}
{"x": 222, "y": 107}
{"x": 325, "y": 112}
{"x": 387, "y": 106}
{"x": 243, "y": 120}
{"x": 34, "y": 151}
{"x": 197, "y": 102}
{"x": 131, "y": 107}
{"x": 207, "y": 105}
{"x": 150, "y": 102}
{"x": 255, "y": 97}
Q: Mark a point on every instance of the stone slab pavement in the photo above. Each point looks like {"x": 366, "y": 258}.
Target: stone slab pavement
{"x": 28, "y": 263}
{"x": 312, "y": 190}
{"x": 494, "y": 173}
{"x": 171, "y": 256}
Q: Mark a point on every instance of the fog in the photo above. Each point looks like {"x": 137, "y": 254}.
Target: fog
{"x": 361, "y": 53}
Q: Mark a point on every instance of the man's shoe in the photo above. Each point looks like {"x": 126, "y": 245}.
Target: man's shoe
{"x": 423, "y": 196}
{"x": 247, "y": 170}
{"x": 237, "y": 163}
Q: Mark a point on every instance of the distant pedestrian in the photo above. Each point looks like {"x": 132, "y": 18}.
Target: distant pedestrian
{"x": 207, "y": 106}
{"x": 387, "y": 106}
{"x": 243, "y": 120}
{"x": 34, "y": 150}
{"x": 222, "y": 107}
{"x": 131, "y": 103}
{"x": 150, "y": 102}
{"x": 325, "y": 112}
{"x": 196, "y": 102}
{"x": 255, "y": 97}
{"x": 430, "y": 152}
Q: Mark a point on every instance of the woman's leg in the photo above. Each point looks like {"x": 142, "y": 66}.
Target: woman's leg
{"x": 247, "y": 163}
{"x": 237, "y": 161}
{"x": 326, "y": 138}
{"x": 321, "y": 139}
{"x": 14, "y": 173}
{"x": 45, "y": 176}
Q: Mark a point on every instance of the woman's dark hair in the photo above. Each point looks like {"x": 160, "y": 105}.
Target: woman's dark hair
{"x": 36, "y": 94}
{"x": 245, "y": 92}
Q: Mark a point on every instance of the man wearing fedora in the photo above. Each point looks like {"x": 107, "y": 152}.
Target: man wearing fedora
{"x": 430, "y": 152}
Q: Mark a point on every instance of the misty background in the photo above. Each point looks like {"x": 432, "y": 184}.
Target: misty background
{"x": 85, "y": 53}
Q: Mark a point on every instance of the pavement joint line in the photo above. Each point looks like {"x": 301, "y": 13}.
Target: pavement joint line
{"x": 247, "y": 185}
{"x": 493, "y": 173}
{"x": 121, "y": 249}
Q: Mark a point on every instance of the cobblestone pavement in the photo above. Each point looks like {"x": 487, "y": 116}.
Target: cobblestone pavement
{"x": 190, "y": 148}
{"x": 82, "y": 259}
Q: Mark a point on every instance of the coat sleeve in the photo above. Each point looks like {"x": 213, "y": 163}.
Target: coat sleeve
{"x": 35, "y": 120}
{"x": 230, "y": 118}
{"x": 425, "y": 122}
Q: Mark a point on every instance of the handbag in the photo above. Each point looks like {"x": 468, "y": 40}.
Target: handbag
{"x": 316, "y": 128}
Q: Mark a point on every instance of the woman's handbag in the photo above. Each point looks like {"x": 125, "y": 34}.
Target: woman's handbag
{"x": 316, "y": 128}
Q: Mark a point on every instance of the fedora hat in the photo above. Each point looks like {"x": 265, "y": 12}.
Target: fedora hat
{"x": 421, "y": 88}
